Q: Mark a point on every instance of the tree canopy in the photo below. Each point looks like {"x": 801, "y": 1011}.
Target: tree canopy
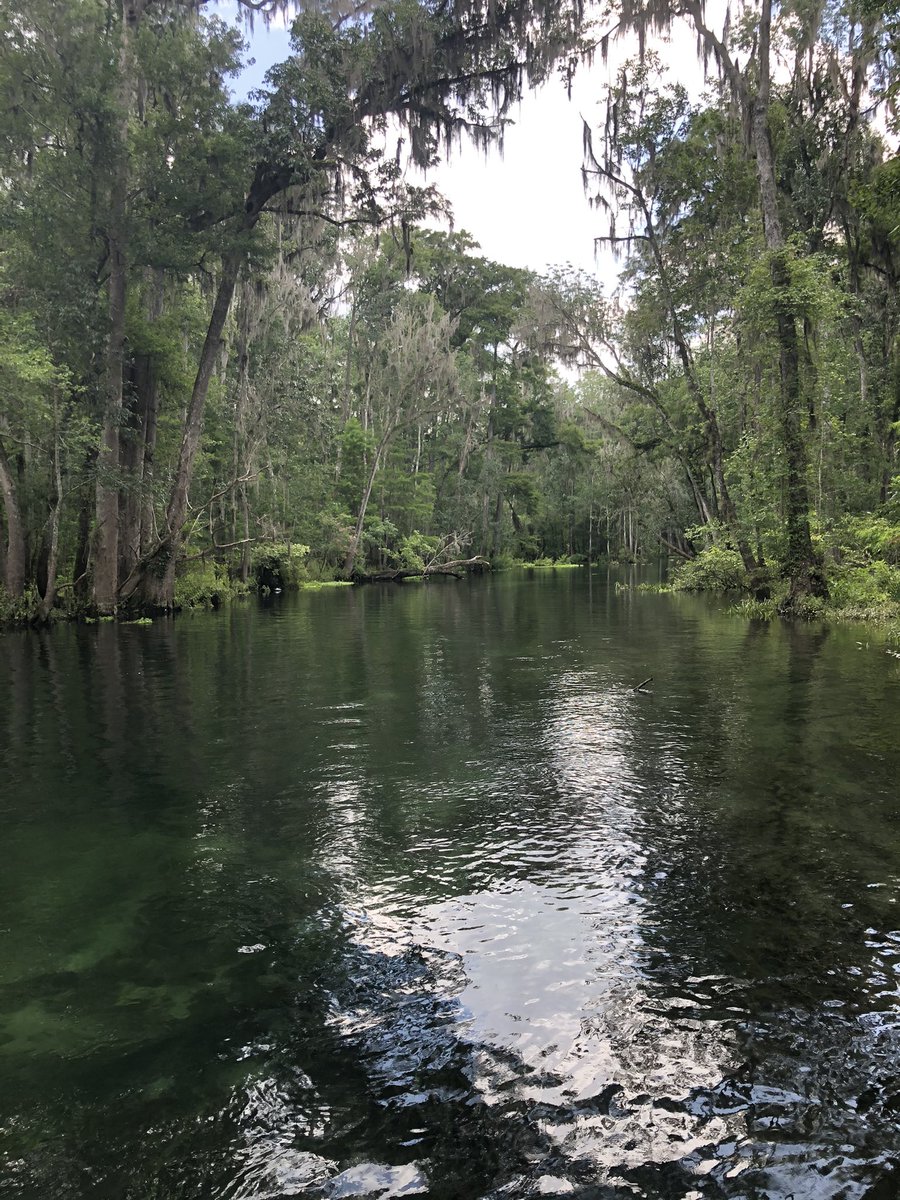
{"x": 234, "y": 347}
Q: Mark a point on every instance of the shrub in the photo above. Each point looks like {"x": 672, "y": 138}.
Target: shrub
{"x": 205, "y": 584}
{"x": 869, "y": 537}
{"x": 868, "y": 586}
{"x": 279, "y": 565}
{"x": 416, "y": 550}
{"x": 713, "y": 570}
{"x": 756, "y": 610}
{"x": 16, "y": 612}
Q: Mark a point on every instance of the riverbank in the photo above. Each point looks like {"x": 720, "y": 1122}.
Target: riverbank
{"x": 864, "y": 593}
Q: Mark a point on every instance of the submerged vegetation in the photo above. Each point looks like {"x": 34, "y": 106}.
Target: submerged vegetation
{"x": 233, "y": 358}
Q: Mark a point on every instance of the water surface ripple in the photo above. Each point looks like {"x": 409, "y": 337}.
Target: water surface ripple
{"x": 406, "y": 891}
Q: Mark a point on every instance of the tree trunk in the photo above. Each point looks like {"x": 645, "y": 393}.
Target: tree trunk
{"x": 803, "y": 566}
{"x": 244, "y": 572}
{"x": 14, "y": 579}
{"x": 106, "y": 542}
{"x": 82, "y": 562}
{"x": 723, "y": 505}
{"x": 457, "y": 568}
{"x": 890, "y": 449}
{"x": 347, "y": 390}
{"x": 153, "y": 581}
{"x": 353, "y": 551}
{"x": 49, "y": 595}
{"x": 138, "y": 447}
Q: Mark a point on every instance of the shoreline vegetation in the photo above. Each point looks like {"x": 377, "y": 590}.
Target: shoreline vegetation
{"x": 865, "y": 593}
{"x": 859, "y": 592}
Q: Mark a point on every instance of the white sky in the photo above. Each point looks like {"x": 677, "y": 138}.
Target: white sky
{"x": 526, "y": 208}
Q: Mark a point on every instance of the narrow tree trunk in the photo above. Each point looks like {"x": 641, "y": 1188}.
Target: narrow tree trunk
{"x": 14, "y": 579}
{"x": 154, "y": 579}
{"x": 244, "y": 573}
{"x": 346, "y": 392}
{"x": 723, "y": 505}
{"x": 106, "y": 541}
{"x": 803, "y": 567}
{"x": 49, "y": 595}
{"x": 138, "y": 447}
{"x": 86, "y": 509}
{"x": 353, "y": 551}
{"x": 591, "y": 527}
{"x": 495, "y": 526}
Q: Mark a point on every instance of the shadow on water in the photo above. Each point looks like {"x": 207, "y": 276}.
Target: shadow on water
{"x": 407, "y": 891}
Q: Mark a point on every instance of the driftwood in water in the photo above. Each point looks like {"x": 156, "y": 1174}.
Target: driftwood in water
{"x": 457, "y": 568}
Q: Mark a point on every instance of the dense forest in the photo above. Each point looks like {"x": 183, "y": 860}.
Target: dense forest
{"x": 237, "y": 350}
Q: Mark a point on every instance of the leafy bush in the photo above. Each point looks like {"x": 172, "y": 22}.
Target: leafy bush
{"x": 545, "y": 562}
{"x": 278, "y": 565}
{"x": 205, "y": 584}
{"x": 503, "y": 562}
{"x": 756, "y": 610}
{"x": 809, "y": 608}
{"x": 869, "y": 537}
{"x": 713, "y": 570}
{"x": 380, "y": 540}
{"x": 16, "y": 612}
{"x": 417, "y": 549}
{"x": 862, "y": 588}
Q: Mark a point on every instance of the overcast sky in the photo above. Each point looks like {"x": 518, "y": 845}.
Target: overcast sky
{"x": 527, "y": 207}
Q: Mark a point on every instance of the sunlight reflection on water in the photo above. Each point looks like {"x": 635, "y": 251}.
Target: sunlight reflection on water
{"x": 408, "y": 891}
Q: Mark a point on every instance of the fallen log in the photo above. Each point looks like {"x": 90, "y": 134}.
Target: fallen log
{"x": 457, "y": 569}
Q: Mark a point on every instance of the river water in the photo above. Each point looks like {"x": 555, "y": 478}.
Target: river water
{"x": 406, "y": 891}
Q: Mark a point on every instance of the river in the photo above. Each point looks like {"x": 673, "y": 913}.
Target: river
{"x": 405, "y": 890}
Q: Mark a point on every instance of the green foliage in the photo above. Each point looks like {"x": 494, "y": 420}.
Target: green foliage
{"x": 417, "y": 550}
{"x": 864, "y": 588}
{"x": 403, "y": 384}
{"x": 279, "y": 564}
{"x": 715, "y": 569}
{"x": 544, "y": 563}
{"x": 18, "y": 612}
{"x": 205, "y": 584}
{"x": 756, "y": 610}
{"x": 315, "y": 585}
{"x": 870, "y": 536}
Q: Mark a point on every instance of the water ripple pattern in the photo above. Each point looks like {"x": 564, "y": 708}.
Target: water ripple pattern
{"x": 409, "y": 892}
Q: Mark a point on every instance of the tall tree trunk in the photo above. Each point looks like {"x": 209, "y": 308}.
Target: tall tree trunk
{"x": 890, "y": 441}
{"x": 723, "y": 505}
{"x": 803, "y": 566}
{"x": 153, "y": 580}
{"x": 152, "y": 583}
{"x": 353, "y": 551}
{"x": 14, "y": 579}
{"x": 49, "y": 595}
{"x": 82, "y": 562}
{"x": 347, "y": 390}
{"x": 137, "y": 448}
{"x": 106, "y": 541}
{"x": 495, "y": 524}
{"x": 244, "y": 573}
{"x": 243, "y": 448}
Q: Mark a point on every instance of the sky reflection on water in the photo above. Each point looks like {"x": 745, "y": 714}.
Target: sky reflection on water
{"x": 407, "y": 891}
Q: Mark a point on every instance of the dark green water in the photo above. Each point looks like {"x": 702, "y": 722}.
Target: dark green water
{"x": 405, "y": 890}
